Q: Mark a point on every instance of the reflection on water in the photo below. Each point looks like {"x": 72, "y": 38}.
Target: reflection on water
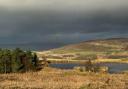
{"x": 116, "y": 67}
{"x": 113, "y": 67}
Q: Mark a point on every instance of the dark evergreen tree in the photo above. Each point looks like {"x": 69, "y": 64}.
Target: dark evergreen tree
{"x": 35, "y": 59}
{"x": 1, "y": 62}
{"x": 7, "y": 61}
{"x": 16, "y": 62}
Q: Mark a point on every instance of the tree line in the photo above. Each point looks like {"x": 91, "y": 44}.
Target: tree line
{"x": 17, "y": 60}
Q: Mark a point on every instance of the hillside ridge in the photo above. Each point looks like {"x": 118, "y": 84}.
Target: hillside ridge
{"x": 97, "y": 45}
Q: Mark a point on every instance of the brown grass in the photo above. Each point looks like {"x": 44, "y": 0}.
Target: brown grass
{"x": 50, "y": 78}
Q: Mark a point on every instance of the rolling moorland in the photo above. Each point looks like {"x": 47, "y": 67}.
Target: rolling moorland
{"x": 108, "y": 50}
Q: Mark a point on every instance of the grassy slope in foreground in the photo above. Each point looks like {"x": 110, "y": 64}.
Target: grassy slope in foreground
{"x": 50, "y": 78}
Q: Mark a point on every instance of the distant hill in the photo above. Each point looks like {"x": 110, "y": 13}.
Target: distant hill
{"x": 101, "y": 45}
{"x": 114, "y": 48}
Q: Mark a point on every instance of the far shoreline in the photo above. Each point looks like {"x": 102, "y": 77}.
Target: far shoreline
{"x": 84, "y": 61}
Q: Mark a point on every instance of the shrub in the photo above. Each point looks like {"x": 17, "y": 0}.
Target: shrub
{"x": 90, "y": 67}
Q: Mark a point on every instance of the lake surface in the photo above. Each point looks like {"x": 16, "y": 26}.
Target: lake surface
{"x": 113, "y": 67}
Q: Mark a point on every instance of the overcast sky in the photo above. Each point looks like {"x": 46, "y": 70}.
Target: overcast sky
{"x": 61, "y": 21}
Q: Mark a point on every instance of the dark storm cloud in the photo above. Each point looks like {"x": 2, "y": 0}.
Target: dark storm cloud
{"x": 62, "y": 20}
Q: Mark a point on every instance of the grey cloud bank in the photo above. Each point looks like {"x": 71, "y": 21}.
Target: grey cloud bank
{"x": 59, "y": 22}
